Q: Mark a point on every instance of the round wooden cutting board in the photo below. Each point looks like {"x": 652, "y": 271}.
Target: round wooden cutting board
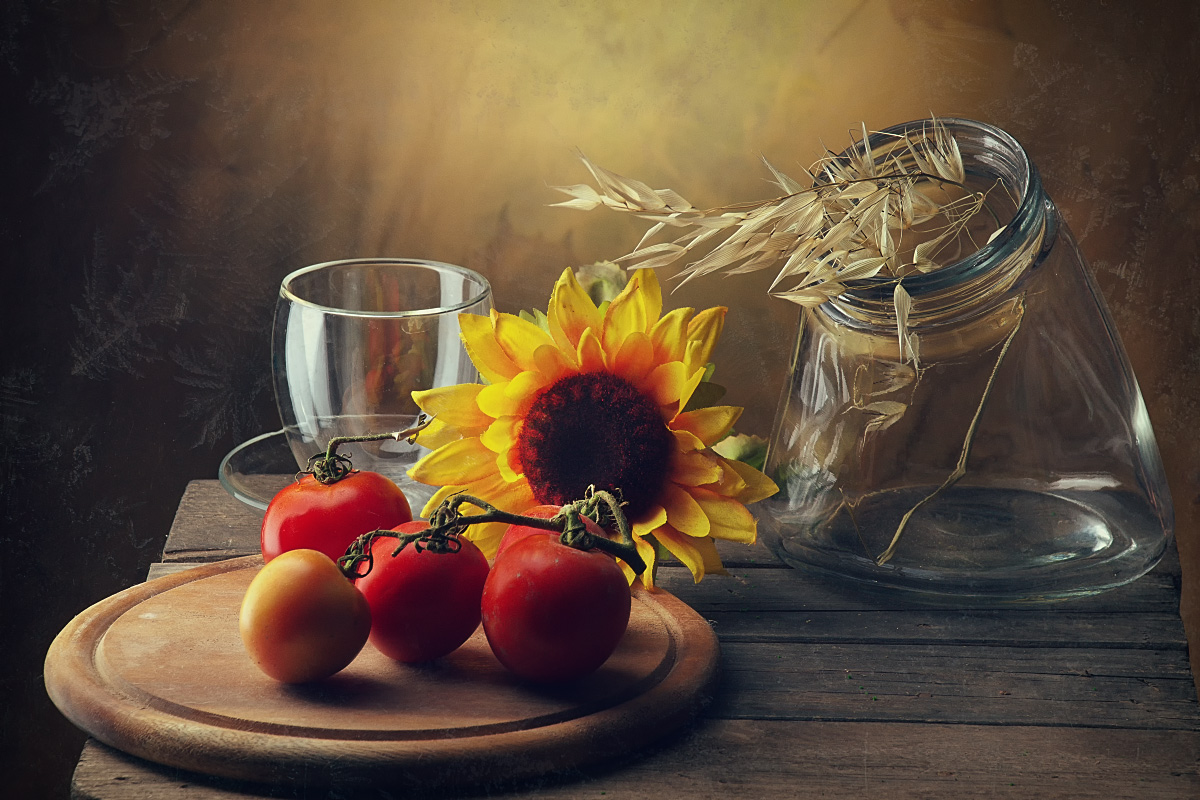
{"x": 159, "y": 671}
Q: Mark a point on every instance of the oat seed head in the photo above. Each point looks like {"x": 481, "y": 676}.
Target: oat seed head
{"x": 893, "y": 207}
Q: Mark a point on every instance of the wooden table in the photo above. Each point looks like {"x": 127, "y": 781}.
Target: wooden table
{"x": 825, "y": 693}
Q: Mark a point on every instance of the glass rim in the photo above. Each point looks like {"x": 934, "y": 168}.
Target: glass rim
{"x": 990, "y": 254}
{"x": 484, "y": 287}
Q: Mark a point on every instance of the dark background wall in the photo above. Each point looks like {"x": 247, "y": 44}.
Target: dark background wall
{"x": 165, "y": 164}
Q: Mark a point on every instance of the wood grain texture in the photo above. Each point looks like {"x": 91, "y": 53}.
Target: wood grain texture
{"x": 825, "y": 691}
{"x": 725, "y": 759}
{"x": 159, "y": 671}
{"x": 955, "y": 684}
{"x": 207, "y": 529}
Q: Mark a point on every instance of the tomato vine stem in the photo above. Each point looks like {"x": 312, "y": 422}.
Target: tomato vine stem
{"x": 360, "y": 551}
{"x": 601, "y": 507}
{"x": 447, "y": 522}
{"x": 330, "y": 467}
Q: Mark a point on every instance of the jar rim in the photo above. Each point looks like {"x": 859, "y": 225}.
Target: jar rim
{"x": 1001, "y": 147}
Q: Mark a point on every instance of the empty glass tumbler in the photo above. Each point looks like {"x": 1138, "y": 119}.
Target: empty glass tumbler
{"x": 1013, "y": 462}
{"x": 353, "y": 340}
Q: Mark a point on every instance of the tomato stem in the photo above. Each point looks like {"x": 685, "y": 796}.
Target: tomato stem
{"x": 447, "y": 523}
{"x": 600, "y": 506}
{"x": 360, "y": 551}
{"x": 330, "y": 467}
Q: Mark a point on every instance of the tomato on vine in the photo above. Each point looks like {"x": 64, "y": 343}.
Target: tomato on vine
{"x": 517, "y": 531}
{"x": 328, "y": 518}
{"x": 553, "y": 612}
{"x": 424, "y": 589}
{"x": 332, "y": 504}
{"x": 555, "y": 607}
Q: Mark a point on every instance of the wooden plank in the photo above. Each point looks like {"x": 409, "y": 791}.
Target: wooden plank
{"x": 160, "y": 569}
{"x": 895, "y": 760}
{"x": 977, "y": 685}
{"x": 785, "y": 589}
{"x": 210, "y": 525}
{"x": 1003, "y": 628}
{"x": 747, "y": 758}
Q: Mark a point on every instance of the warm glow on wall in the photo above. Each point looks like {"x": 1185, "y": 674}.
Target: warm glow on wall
{"x": 435, "y": 130}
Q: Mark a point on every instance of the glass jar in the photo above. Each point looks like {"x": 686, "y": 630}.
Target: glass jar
{"x": 1014, "y": 461}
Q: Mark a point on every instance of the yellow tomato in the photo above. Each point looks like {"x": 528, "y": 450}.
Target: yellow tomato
{"x": 301, "y": 619}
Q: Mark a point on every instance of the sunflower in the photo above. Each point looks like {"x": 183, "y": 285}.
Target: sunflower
{"x": 597, "y": 397}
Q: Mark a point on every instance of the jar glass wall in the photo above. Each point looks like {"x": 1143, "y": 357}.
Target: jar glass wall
{"x": 1012, "y": 460}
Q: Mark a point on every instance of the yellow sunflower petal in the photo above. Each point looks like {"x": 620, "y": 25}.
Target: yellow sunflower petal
{"x": 508, "y": 465}
{"x": 689, "y": 388}
{"x": 686, "y": 441}
{"x": 669, "y": 335}
{"x": 646, "y": 551}
{"x": 519, "y": 339}
{"x": 649, "y": 521}
{"x": 591, "y": 353}
{"x": 651, "y": 295}
{"x": 479, "y": 339}
{"x": 728, "y": 518}
{"x": 684, "y": 514}
{"x": 554, "y": 363}
{"x": 501, "y": 434}
{"x": 694, "y": 468}
{"x": 705, "y": 329}
{"x": 523, "y": 388}
{"x": 495, "y": 401}
{"x": 698, "y": 555}
{"x": 453, "y": 405}
{"x": 635, "y": 358}
{"x": 635, "y": 309}
{"x": 438, "y": 433}
{"x": 665, "y": 383}
{"x": 513, "y": 496}
{"x": 458, "y": 462}
{"x": 731, "y": 483}
{"x": 571, "y": 311}
{"x": 758, "y": 485}
{"x": 710, "y": 425}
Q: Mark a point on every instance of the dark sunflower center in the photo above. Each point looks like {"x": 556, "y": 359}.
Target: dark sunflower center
{"x": 595, "y": 429}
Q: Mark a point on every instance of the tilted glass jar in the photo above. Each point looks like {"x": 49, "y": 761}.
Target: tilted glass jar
{"x": 1014, "y": 461}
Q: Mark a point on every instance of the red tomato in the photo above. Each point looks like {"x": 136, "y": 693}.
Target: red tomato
{"x": 516, "y": 533}
{"x": 301, "y": 619}
{"x": 424, "y": 604}
{"x": 554, "y": 613}
{"x": 327, "y": 518}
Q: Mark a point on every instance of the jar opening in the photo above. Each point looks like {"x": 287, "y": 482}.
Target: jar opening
{"x": 1011, "y": 222}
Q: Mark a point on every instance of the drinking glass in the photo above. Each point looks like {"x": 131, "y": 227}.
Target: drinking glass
{"x": 353, "y": 339}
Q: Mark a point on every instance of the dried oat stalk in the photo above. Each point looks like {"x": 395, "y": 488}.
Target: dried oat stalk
{"x": 892, "y": 209}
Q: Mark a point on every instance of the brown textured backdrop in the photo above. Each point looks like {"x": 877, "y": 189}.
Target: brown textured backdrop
{"x": 166, "y": 163}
